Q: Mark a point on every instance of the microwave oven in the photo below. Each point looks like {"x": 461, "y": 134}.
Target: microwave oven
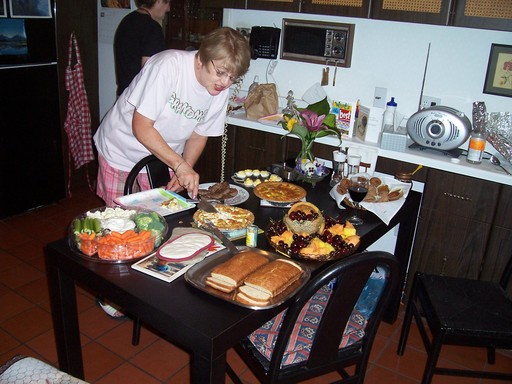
{"x": 318, "y": 42}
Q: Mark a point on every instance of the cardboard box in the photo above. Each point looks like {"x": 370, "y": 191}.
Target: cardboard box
{"x": 345, "y": 117}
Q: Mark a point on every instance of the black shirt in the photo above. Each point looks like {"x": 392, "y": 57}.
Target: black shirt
{"x": 136, "y": 36}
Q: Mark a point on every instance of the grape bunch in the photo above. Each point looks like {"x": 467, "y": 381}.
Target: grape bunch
{"x": 276, "y": 228}
{"x": 299, "y": 215}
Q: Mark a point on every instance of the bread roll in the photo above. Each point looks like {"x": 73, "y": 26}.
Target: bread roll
{"x": 375, "y": 181}
{"x": 395, "y": 194}
{"x": 230, "y": 274}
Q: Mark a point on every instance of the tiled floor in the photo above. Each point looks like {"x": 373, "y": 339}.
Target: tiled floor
{"x": 109, "y": 357}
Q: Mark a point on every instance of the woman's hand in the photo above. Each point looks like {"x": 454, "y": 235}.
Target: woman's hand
{"x": 184, "y": 178}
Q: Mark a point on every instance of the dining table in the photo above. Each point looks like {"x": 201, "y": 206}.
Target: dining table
{"x": 203, "y": 325}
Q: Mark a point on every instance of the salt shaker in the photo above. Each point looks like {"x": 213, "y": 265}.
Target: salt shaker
{"x": 353, "y": 162}
{"x": 339, "y": 159}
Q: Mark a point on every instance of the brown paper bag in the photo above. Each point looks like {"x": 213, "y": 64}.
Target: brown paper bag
{"x": 261, "y": 102}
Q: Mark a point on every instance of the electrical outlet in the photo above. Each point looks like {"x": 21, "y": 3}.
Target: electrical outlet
{"x": 429, "y": 101}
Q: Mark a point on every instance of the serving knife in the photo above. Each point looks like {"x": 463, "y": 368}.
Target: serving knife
{"x": 206, "y": 206}
{"x": 233, "y": 250}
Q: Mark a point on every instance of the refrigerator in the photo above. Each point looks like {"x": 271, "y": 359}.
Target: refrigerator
{"x": 31, "y": 156}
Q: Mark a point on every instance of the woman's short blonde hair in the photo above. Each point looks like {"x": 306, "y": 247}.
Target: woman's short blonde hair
{"x": 229, "y": 47}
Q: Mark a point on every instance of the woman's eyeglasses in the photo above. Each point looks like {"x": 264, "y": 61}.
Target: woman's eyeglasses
{"x": 222, "y": 74}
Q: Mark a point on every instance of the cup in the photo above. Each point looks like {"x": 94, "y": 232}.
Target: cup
{"x": 353, "y": 162}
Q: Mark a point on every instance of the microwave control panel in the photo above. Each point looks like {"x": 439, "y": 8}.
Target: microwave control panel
{"x": 335, "y": 43}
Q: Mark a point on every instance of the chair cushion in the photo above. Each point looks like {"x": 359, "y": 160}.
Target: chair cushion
{"x": 299, "y": 345}
{"x": 27, "y": 370}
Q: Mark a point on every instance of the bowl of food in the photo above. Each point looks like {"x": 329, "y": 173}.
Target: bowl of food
{"x": 116, "y": 235}
{"x": 305, "y": 234}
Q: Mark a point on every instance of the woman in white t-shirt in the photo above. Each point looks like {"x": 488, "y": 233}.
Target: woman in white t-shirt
{"x": 173, "y": 105}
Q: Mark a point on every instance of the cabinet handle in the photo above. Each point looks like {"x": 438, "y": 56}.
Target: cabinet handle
{"x": 448, "y": 194}
{"x": 257, "y": 148}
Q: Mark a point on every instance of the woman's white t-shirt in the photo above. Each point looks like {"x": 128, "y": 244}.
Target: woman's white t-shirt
{"x": 165, "y": 90}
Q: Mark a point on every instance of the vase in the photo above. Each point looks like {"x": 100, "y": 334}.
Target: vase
{"x": 310, "y": 171}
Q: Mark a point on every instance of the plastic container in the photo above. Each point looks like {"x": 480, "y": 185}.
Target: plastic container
{"x": 476, "y": 147}
{"x": 389, "y": 113}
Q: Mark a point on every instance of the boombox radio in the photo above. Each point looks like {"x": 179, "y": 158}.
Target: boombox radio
{"x": 439, "y": 127}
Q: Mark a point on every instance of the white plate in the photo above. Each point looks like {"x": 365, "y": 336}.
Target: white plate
{"x": 152, "y": 199}
{"x": 240, "y": 197}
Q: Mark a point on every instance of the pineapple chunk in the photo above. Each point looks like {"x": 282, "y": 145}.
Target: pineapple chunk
{"x": 317, "y": 247}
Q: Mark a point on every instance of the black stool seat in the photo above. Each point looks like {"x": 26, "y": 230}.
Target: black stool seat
{"x": 478, "y": 310}
{"x": 461, "y": 312}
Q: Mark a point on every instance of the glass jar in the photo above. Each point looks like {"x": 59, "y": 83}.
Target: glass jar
{"x": 404, "y": 177}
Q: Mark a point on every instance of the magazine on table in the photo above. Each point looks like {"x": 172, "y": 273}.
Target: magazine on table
{"x": 170, "y": 270}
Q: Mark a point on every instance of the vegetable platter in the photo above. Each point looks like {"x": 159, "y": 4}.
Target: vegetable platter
{"x": 116, "y": 235}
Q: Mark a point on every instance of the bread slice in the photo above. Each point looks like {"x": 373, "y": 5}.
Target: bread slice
{"x": 269, "y": 281}
{"x": 232, "y": 272}
{"x": 219, "y": 285}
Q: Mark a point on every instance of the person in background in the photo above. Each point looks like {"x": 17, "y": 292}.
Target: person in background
{"x": 138, "y": 37}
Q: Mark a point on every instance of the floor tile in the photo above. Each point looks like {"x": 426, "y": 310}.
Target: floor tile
{"x": 128, "y": 374}
{"x": 28, "y": 324}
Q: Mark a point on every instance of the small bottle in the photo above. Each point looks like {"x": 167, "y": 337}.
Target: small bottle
{"x": 251, "y": 238}
{"x": 389, "y": 113}
{"x": 476, "y": 147}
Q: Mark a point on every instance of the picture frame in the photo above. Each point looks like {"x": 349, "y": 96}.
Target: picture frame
{"x": 498, "y": 79}
{"x": 36, "y": 9}
{"x": 3, "y": 8}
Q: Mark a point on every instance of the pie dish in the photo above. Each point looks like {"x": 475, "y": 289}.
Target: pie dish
{"x": 280, "y": 192}
{"x": 227, "y": 217}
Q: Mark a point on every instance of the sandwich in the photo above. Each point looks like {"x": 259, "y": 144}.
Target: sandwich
{"x": 269, "y": 281}
{"x": 226, "y": 277}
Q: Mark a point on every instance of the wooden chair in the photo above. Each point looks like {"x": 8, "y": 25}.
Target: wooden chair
{"x": 460, "y": 312}
{"x": 332, "y": 320}
{"x": 158, "y": 174}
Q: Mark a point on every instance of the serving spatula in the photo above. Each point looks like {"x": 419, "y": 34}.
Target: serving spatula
{"x": 206, "y": 206}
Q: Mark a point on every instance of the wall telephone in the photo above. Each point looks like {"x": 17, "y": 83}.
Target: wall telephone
{"x": 264, "y": 42}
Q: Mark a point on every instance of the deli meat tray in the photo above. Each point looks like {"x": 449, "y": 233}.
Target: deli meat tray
{"x": 197, "y": 275}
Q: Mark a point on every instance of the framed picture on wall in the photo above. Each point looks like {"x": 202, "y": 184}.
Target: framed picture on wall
{"x": 30, "y": 9}
{"x": 3, "y": 8}
{"x": 498, "y": 80}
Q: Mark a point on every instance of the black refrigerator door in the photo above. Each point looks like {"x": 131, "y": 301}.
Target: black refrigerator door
{"x": 31, "y": 171}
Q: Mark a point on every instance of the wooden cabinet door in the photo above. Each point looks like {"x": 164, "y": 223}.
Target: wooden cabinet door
{"x": 499, "y": 247}
{"x": 349, "y": 8}
{"x": 415, "y": 11}
{"x": 257, "y": 149}
{"x": 209, "y": 164}
{"x": 236, "y": 4}
{"x": 275, "y": 5}
{"x": 487, "y": 14}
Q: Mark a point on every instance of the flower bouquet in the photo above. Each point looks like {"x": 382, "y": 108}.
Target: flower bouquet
{"x": 308, "y": 124}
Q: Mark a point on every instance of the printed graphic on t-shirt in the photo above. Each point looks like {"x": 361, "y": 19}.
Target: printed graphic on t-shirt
{"x": 185, "y": 109}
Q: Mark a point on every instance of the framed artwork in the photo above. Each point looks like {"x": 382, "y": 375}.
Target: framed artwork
{"x": 26, "y": 9}
{"x": 122, "y": 4}
{"x": 3, "y": 8}
{"x": 498, "y": 80}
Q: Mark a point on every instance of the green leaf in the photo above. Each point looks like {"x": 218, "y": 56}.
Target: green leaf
{"x": 321, "y": 107}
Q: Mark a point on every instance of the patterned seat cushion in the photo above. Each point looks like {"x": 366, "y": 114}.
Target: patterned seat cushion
{"x": 299, "y": 345}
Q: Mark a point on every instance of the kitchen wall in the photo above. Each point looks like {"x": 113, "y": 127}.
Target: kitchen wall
{"x": 386, "y": 54}
{"x": 391, "y": 55}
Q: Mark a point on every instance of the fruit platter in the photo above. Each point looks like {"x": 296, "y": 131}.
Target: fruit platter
{"x": 305, "y": 233}
{"x": 116, "y": 235}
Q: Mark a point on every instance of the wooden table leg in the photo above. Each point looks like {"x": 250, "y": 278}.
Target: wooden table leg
{"x": 204, "y": 370}
{"x": 65, "y": 320}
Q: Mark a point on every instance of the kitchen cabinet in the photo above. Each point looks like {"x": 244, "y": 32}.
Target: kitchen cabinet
{"x": 415, "y": 11}
{"x": 209, "y": 164}
{"x": 490, "y": 14}
{"x": 235, "y": 4}
{"x": 454, "y": 226}
{"x": 275, "y": 5}
{"x": 349, "y": 8}
{"x": 189, "y": 21}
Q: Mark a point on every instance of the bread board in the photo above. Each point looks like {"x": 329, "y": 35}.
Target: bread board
{"x": 196, "y": 276}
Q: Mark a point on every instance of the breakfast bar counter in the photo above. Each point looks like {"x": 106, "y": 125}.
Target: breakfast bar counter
{"x": 204, "y": 326}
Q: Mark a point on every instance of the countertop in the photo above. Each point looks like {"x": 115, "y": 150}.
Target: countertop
{"x": 428, "y": 158}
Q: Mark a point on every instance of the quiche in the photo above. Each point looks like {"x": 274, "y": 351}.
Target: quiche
{"x": 227, "y": 217}
{"x": 280, "y": 192}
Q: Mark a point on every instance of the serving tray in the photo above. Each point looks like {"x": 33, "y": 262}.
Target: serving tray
{"x": 152, "y": 199}
{"x": 197, "y": 275}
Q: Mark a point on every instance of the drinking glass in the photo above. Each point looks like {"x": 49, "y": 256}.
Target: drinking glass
{"x": 358, "y": 189}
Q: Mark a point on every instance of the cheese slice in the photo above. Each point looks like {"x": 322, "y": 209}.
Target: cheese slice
{"x": 185, "y": 247}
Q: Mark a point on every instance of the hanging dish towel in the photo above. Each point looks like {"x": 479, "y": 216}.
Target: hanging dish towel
{"x": 78, "y": 120}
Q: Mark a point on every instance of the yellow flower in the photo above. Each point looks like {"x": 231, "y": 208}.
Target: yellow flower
{"x": 290, "y": 122}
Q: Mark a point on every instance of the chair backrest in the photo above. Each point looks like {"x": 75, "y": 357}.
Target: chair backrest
{"x": 158, "y": 173}
{"x": 352, "y": 274}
